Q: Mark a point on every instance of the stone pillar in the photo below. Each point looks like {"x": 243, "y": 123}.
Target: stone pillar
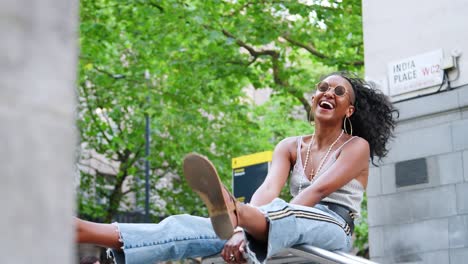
{"x": 425, "y": 222}
{"x": 418, "y": 198}
{"x": 38, "y": 58}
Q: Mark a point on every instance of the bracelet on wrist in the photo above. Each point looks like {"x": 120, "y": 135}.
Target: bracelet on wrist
{"x": 238, "y": 229}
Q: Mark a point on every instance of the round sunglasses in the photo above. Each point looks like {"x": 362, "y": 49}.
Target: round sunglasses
{"x": 323, "y": 87}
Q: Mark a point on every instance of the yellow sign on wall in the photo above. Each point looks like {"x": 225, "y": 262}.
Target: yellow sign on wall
{"x": 256, "y": 158}
{"x": 248, "y": 173}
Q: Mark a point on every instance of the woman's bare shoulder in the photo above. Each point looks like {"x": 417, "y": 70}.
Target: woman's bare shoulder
{"x": 357, "y": 144}
{"x": 288, "y": 147}
{"x": 288, "y": 143}
{"x": 289, "y": 140}
{"x": 361, "y": 142}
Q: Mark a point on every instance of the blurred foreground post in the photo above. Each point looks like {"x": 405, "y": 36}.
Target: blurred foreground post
{"x": 38, "y": 56}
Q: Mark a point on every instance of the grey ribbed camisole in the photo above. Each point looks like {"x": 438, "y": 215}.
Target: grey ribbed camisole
{"x": 350, "y": 195}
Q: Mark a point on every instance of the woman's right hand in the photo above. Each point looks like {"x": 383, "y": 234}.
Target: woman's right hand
{"x": 234, "y": 248}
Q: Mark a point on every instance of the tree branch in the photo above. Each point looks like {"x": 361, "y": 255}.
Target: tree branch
{"x": 309, "y": 47}
{"x": 276, "y": 67}
{"x": 357, "y": 63}
{"x": 110, "y": 74}
{"x": 114, "y": 76}
{"x": 135, "y": 156}
{"x": 128, "y": 191}
{"x": 104, "y": 174}
{"x": 91, "y": 113}
{"x": 160, "y": 8}
{"x": 254, "y": 53}
{"x": 304, "y": 101}
{"x": 89, "y": 166}
{"x": 116, "y": 195}
{"x": 312, "y": 50}
{"x": 276, "y": 73}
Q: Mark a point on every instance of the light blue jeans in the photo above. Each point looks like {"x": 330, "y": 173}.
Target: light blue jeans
{"x": 185, "y": 236}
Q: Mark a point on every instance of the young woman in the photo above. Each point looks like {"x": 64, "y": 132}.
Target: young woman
{"x": 328, "y": 173}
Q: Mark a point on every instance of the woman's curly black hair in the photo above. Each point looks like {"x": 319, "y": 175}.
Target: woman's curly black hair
{"x": 374, "y": 118}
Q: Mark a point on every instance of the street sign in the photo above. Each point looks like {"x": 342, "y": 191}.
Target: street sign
{"x": 248, "y": 173}
{"x": 415, "y": 73}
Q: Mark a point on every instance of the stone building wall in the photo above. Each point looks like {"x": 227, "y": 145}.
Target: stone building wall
{"x": 424, "y": 220}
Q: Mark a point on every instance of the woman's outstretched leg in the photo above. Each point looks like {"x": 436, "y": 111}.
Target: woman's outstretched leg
{"x": 225, "y": 212}
{"x": 174, "y": 238}
{"x": 105, "y": 235}
{"x": 253, "y": 221}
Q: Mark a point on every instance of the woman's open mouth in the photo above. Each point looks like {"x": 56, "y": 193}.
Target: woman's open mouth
{"x": 326, "y": 105}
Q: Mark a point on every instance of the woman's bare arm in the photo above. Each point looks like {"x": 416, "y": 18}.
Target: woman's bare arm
{"x": 277, "y": 174}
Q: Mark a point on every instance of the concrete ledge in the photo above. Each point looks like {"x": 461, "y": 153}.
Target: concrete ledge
{"x": 376, "y": 242}
{"x": 436, "y": 257}
{"x": 459, "y": 255}
{"x": 374, "y": 186}
{"x": 433, "y": 104}
{"x": 460, "y": 134}
{"x": 420, "y": 143}
{"x": 415, "y": 205}
{"x": 418, "y": 237}
{"x": 458, "y": 231}
{"x": 465, "y": 165}
{"x": 462, "y": 198}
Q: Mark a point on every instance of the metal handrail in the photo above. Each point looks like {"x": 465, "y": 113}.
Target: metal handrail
{"x": 323, "y": 256}
{"x": 305, "y": 254}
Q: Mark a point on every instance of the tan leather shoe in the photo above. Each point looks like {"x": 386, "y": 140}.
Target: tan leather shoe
{"x": 202, "y": 177}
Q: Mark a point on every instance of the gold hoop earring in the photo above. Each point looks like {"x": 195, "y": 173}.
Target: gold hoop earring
{"x": 350, "y": 125}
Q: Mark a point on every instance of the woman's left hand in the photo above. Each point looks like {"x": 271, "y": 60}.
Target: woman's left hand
{"x": 234, "y": 248}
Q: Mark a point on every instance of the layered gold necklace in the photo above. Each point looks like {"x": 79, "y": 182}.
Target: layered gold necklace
{"x": 313, "y": 172}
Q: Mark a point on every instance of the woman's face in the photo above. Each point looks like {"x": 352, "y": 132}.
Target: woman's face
{"x": 333, "y": 99}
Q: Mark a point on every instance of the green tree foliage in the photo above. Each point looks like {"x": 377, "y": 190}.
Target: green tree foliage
{"x": 186, "y": 65}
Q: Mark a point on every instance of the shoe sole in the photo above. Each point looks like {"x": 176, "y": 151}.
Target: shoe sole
{"x": 202, "y": 177}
